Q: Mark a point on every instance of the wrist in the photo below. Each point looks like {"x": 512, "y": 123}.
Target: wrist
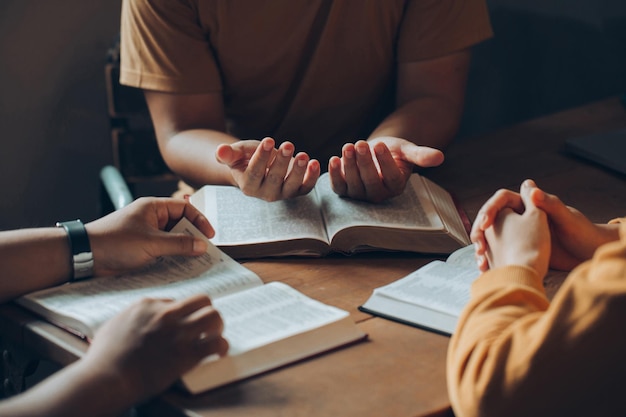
{"x": 81, "y": 257}
{"x": 107, "y": 390}
{"x": 609, "y": 232}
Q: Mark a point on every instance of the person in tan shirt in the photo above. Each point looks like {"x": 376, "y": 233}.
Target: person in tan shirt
{"x": 263, "y": 95}
{"x": 516, "y": 353}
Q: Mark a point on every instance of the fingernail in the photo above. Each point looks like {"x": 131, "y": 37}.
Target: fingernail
{"x": 199, "y": 245}
{"x": 302, "y": 162}
{"x": 483, "y": 221}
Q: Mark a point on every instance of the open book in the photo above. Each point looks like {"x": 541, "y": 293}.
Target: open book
{"x": 266, "y": 325}
{"x": 431, "y": 297}
{"x": 423, "y": 219}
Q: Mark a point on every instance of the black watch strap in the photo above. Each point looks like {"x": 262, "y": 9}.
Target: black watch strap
{"x": 82, "y": 258}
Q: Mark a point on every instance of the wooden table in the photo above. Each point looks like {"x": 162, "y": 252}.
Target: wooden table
{"x": 400, "y": 370}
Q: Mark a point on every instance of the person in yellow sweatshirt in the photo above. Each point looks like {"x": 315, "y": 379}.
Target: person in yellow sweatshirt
{"x": 517, "y": 353}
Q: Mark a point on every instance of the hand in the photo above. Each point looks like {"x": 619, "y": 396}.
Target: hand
{"x": 137, "y": 234}
{"x": 379, "y": 169}
{"x": 574, "y": 237}
{"x": 151, "y": 344}
{"x": 270, "y": 174}
{"x": 520, "y": 239}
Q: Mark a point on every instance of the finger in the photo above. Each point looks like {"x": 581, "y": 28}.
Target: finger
{"x": 169, "y": 244}
{"x": 199, "y": 220}
{"x": 207, "y": 347}
{"x": 204, "y": 326}
{"x": 551, "y": 204}
{"x": 477, "y": 237}
{"x": 272, "y": 184}
{"x": 205, "y": 322}
{"x": 487, "y": 255}
{"x": 393, "y": 178}
{"x": 177, "y": 310}
{"x": 423, "y": 156}
{"x": 491, "y": 235}
{"x": 257, "y": 167}
{"x": 169, "y": 211}
{"x": 190, "y": 304}
{"x": 230, "y": 155}
{"x": 482, "y": 263}
{"x": 369, "y": 175}
{"x": 351, "y": 175}
{"x": 295, "y": 177}
{"x": 501, "y": 199}
{"x": 337, "y": 180}
{"x": 487, "y": 214}
{"x": 526, "y": 190}
{"x": 311, "y": 176}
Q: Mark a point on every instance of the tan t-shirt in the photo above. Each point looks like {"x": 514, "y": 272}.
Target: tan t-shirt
{"x": 317, "y": 72}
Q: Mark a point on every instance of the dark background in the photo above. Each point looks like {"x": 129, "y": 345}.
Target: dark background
{"x": 547, "y": 55}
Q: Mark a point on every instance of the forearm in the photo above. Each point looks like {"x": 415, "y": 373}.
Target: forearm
{"x": 191, "y": 155}
{"x": 515, "y": 355}
{"x": 426, "y": 121}
{"x": 77, "y": 390}
{"x": 31, "y": 259}
{"x": 486, "y": 344}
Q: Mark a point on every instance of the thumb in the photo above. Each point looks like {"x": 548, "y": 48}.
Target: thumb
{"x": 168, "y": 244}
{"x": 225, "y": 154}
{"x": 423, "y": 156}
{"x": 528, "y": 192}
{"x": 549, "y": 203}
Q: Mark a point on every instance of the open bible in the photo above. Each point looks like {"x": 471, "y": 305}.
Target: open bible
{"x": 266, "y": 325}
{"x": 431, "y": 297}
{"x": 423, "y": 219}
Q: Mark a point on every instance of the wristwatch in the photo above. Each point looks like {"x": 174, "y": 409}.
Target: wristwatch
{"x": 82, "y": 257}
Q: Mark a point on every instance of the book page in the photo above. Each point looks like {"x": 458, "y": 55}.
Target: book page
{"x": 93, "y": 301}
{"x": 262, "y": 315}
{"x": 448, "y": 211}
{"x": 239, "y": 219}
{"x": 412, "y": 209}
{"x": 464, "y": 258}
{"x": 439, "y": 286}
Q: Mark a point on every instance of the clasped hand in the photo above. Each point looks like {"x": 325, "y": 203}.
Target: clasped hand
{"x": 371, "y": 171}
{"x": 535, "y": 229}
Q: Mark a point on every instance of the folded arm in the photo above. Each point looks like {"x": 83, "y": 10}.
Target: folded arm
{"x": 516, "y": 354}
